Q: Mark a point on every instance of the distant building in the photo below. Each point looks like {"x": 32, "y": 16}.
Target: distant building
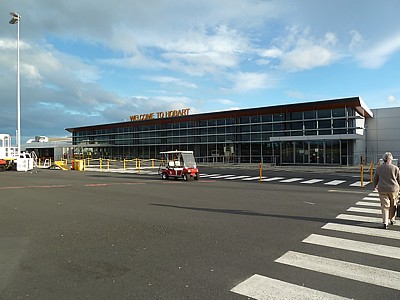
{"x": 328, "y": 132}
{"x": 50, "y": 148}
{"x": 382, "y": 133}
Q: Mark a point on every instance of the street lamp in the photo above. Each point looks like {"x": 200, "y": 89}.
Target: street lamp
{"x": 15, "y": 20}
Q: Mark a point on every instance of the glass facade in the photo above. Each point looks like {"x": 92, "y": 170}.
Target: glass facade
{"x": 314, "y": 136}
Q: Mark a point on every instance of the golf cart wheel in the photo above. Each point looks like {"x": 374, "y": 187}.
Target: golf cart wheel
{"x": 196, "y": 177}
{"x": 164, "y": 176}
{"x": 185, "y": 177}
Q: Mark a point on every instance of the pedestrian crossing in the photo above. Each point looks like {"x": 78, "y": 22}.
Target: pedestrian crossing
{"x": 259, "y": 286}
{"x": 282, "y": 179}
{"x": 245, "y": 177}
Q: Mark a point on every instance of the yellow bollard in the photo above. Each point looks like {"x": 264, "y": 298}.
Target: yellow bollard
{"x": 362, "y": 175}
{"x": 260, "y": 171}
{"x": 108, "y": 164}
{"x": 124, "y": 164}
{"x": 371, "y": 167}
{"x": 101, "y": 167}
{"x": 152, "y": 163}
{"x": 139, "y": 166}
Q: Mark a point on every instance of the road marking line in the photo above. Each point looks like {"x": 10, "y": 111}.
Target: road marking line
{"x": 311, "y": 181}
{"x": 378, "y": 232}
{"x": 345, "y": 191}
{"x": 33, "y": 187}
{"x": 355, "y": 246}
{"x": 112, "y": 184}
{"x": 335, "y": 182}
{"x": 376, "y": 194}
{"x": 263, "y": 288}
{"x": 371, "y": 198}
{"x": 291, "y": 180}
{"x": 365, "y": 210}
{"x": 237, "y": 177}
{"x": 362, "y": 273}
{"x": 209, "y": 175}
{"x": 372, "y": 204}
{"x": 362, "y": 219}
{"x": 273, "y": 178}
{"x": 221, "y": 176}
{"x": 253, "y": 178}
{"x": 358, "y": 183}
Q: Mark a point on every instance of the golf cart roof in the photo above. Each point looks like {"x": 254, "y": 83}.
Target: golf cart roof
{"x": 176, "y": 152}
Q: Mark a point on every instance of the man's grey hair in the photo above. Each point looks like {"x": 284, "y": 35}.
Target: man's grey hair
{"x": 387, "y": 157}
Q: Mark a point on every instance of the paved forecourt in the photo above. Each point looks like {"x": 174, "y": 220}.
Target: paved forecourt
{"x": 351, "y": 180}
{"x": 70, "y": 234}
{"x": 367, "y": 223}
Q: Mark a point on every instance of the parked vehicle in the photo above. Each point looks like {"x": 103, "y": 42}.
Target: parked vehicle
{"x": 178, "y": 164}
{"x": 10, "y": 159}
{"x": 3, "y": 165}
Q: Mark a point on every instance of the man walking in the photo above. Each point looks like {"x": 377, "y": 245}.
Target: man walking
{"x": 387, "y": 179}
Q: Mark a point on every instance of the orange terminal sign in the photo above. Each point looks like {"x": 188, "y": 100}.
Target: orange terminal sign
{"x": 160, "y": 114}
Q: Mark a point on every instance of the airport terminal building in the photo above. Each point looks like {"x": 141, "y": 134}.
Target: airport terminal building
{"x": 329, "y": 132}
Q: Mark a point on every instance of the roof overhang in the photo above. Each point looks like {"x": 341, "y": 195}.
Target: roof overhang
{"x": 353, "y": 102}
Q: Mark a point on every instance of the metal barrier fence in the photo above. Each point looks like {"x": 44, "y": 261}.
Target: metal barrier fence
{"x": 126, "y": 164}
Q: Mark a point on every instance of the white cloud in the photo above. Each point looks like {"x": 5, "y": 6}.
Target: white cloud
{"x": 205, "y": 50}
{"x": 246, "y": 81}
{"x": 378, "y": 55}
{"x": 172, "y": 80}
{"x": 307, "y": 58}
{"x": 32, "y": 74}
{"x": 271, "y": 53}
{"x": 84, "y": 63}
{"x": 357, "y": 40}
{"x": 392, "y": 99}
{"x": 299, "y": 50}
{"x": 225, "y": 101}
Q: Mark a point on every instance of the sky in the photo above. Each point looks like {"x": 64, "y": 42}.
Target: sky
{"x": 92, "y": 62}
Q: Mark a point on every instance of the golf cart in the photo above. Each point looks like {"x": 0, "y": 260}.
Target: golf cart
{"x": 178, "y": 164}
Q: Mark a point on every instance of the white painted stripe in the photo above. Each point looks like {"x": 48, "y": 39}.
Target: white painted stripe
{"x": 253, "y": 178}
{"x": 374, "y": 194}
{"x": 361, "y": 219}
{"x": 372, "y": 204}
{"x": 378, "y": 232}
{"x": 365, "y": 210}
{"x": 273, "y": 178}
{"x": 371, "y": 198}
{"x": 263, "y": 288}
{"x": 356, "y": 246}
{"x": 345, "y": 191}
{"x": 311, "y": 181}
{"x": 149, "y": 172}
{"x": 221, "y": 176}
{"x": 291, "y": 180}
{"x": 335, "y": 182}
{"x": 237, "y": 177}
{"x": 209, "y": 175}
{"x": 367, "y": 274}
{"x": 358, "y": 183}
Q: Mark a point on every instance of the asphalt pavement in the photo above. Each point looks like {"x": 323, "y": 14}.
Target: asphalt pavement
{"x": 116, "y": 235}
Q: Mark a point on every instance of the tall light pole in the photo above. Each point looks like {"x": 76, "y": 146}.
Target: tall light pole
{"x": 15, "y": 20}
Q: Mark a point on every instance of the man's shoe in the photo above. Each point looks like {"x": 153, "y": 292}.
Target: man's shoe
{"x": 385, "y": 226}
{"x": 393, "y": 222}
